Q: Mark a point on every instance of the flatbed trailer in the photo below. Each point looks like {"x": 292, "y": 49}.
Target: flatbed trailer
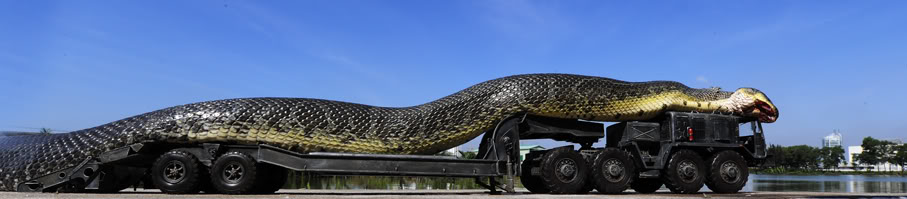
{"x": 244, "y": 169}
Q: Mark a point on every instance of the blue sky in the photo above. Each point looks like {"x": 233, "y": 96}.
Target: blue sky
{"x": 69, "y": 65}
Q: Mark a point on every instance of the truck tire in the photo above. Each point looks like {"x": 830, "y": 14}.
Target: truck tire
{"x": 685, "y": 172}
{"x": 532, "y": 183}
{"x": 564, "y": 171}
{"x": 727, "y": 172}
{"x": 234, "y": 173}
{"x": 271, "y": 178}
{"x": 612, "y": 171}
{"x": 176, "y": 172}
{"x": 646, "y": 185}
{"x": 590, "y": 185}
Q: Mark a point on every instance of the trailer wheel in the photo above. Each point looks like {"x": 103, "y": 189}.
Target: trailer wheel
{"x": 564, "y": 171}
{"x": 646, "y": 185}
{"x": 612, "y": 171}
{"x": 532, "y": 183}
{"x": 234, "y": 173}
{"x": 727, "y": 172}
{"x": 685, "y": 172}
{"x": 271, "y": 178}
{"x": 176, "y": 172}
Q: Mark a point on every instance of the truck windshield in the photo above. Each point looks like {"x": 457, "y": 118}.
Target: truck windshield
{"x": 755, "y": 127}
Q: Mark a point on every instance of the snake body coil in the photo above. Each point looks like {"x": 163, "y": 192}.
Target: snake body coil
{"x": 307, "y": 125}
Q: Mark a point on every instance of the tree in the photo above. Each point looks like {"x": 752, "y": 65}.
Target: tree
{"x": 46, "y": 131}
{"x": 469, "y": 154}
{"x": 832, "y": 156}
{"x": 872, "y": 151}
{"x": 887, "y": 150}
{"x": 801, "y": 157}
{"x": 900, "y": 156}
{"x": 775, "y": 156}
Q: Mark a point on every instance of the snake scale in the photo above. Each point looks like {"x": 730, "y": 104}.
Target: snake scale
{"x": 307, "y": 125}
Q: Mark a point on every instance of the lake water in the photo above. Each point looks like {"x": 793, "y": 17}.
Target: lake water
{"x": 828, "y": 183}
{"x": 756, "y": 183}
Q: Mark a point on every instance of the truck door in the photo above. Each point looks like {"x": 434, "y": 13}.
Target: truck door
{"x": 758, "y": 140}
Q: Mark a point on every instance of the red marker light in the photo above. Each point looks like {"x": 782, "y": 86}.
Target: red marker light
{"x": 690, "y": 131}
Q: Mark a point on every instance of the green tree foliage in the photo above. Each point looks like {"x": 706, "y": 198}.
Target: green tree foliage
{"x": 831, "y": 156}
{"x": 875, "y": 151}
{"x": 469, "y": 154}
{"x": 794, "y": 157}
{"x": 802, "y": 157}
{"x": 775, "y": 156}
{"x": 900, "y": 156}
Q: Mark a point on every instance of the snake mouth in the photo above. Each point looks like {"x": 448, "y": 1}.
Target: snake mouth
{"x": 767, "y": 113}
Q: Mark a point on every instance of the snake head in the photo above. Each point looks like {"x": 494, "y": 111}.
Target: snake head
{"x": 753, "y": 103}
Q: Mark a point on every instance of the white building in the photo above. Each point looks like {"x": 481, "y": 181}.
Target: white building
{"x": 454, "y": 152}
{"x": 832, "y": 140}
{"x": 853, "y": 151}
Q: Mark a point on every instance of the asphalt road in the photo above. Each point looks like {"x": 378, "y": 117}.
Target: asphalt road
{"x": 441, "y": 194}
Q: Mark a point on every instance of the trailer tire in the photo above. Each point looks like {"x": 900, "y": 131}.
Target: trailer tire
{"x": 176, "y": 172}
{"x": 564, "y": 171}
{"x": 685, "y": 172}
{"x": 646, "y": 185}
{"x": 612, "y": 171}
{"x": 271, "y": 178}
{"x": 728, "y": 172}
{"x": 234, "y": 173}
{"x": 532, "y": 183}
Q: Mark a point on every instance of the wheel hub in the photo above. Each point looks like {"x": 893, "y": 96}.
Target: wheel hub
{"x": 614, "y": 170}
{"x": 687, "y": 171}
{"x": 730, "y": 172}
{"x": 566, "y": 170}
{"x": 174, "y": 172}
{"x": 233, "y": 172}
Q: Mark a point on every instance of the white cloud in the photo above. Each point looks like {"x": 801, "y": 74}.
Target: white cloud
{"x": 702, "y": 79}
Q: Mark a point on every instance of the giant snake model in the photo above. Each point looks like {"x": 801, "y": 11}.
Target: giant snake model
{"x": 308, "y": 125}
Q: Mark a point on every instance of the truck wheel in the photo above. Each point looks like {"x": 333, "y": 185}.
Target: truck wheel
{"x": 234, "y": 173}
{"x": 590, "y": 185}
{"x": 646, "y": 185}
{"x": 727, "y": 172}
{"x": 532, "y": 183}
{"x": 564, "y": 171}
{"x": 612, "y": 171}
{"x": 271, "y": 178}
{"x": 685, "y": 172}
{"x": 176, "y": 172}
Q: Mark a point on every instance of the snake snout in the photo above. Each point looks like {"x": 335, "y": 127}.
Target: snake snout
{"x": 767, "y": 112}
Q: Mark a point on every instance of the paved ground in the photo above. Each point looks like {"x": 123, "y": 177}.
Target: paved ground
{"x": 441, "y": 194}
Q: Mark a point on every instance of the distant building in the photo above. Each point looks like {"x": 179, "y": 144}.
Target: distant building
{"x": 833, "y": 140}
{"x": 525, "y": 149}
{"x": 454, "y": 152}
{"x": 853, "y": 151}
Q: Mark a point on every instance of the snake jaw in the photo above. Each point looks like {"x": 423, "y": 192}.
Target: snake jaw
{"x": 766, "y": 112}
{"x": 754, "y": 103}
